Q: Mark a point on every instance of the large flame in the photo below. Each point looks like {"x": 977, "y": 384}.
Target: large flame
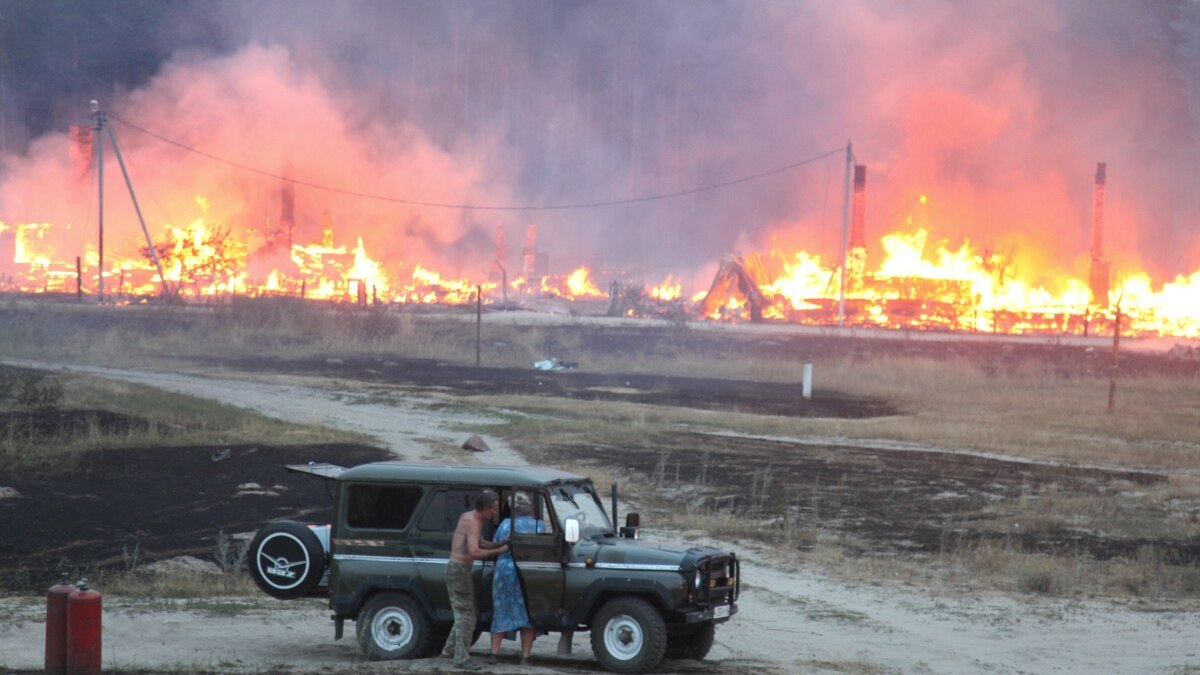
{"x": 963, "y": 288}
{"x": 919, "y": 283}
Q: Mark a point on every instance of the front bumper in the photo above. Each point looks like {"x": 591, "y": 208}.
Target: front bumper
{"x": 706, "y": 614}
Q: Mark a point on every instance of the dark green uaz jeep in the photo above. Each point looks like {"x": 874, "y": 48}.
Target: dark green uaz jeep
{"x": 382, "y": 563}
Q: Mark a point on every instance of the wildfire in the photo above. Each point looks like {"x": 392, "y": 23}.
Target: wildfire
{"x": 429, "y": 287}
{"x": 366, "y": 272}
{"x": 580, "y": 285}
{"x": 918, "y": 283}
{"x": 957, "y": 288}
{"x": 669, "y": 289}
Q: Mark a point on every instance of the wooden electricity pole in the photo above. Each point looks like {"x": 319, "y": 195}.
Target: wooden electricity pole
{"x": 98, "y": 134}
{"x": 478, "y": 323}
{"x": 845, "y": 234}
{"x": 101, "y": 125}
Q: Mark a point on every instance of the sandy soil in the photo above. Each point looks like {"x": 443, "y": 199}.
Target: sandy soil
{"x": 791, "y": 619}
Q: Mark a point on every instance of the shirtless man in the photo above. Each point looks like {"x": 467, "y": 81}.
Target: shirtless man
{"x": 466, "y": 547}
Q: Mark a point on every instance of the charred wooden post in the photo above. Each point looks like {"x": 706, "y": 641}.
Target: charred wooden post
{"x": 478, "y": 324}
{"x": 501, "y": 259}
{"x": 529, "y": 257}
{"x": 1112, "y": 371}
{"x": 78, "y": 279}
{"x": 614, "y": 299}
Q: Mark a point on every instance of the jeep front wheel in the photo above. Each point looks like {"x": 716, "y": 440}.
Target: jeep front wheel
{"x": 628, "y": 636}
{"x": 691, "y": 643}
{"x": 288, "y": 560}
{"x": 392, "y": 626}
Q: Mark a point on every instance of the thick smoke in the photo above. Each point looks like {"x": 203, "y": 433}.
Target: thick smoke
{"x": 997, "y": 112}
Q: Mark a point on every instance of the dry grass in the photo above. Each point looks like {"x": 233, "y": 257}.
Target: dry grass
{"x": 1029, "y": 413}
{"x": 280, "y": 327}
{"x": 158, "y": 418}
{"x": 1138, "y": 511}
{"x": 175, "y": 585}
{"x": 950, "y": 406}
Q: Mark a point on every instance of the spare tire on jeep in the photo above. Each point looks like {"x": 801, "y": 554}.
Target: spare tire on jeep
{"x": 287, "y": 560}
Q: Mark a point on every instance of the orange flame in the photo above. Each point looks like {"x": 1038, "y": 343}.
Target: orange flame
{"x": 670, "y": 289}
{"x": 580, "y": 285}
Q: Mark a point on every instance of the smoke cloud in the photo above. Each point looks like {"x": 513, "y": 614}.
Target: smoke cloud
{"x": 995, "y": 112}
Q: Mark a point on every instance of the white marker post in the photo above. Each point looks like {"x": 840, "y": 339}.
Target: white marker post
{"x": 807, "y": 391}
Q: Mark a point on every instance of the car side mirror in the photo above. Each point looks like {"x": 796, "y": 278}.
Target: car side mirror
{"x": 571, "y": 530}
{"x": 632, "y": 529}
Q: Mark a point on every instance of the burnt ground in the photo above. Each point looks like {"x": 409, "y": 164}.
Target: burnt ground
{"x": 688, "y": 392}
{"x": 167, "y": 502}
{"x": 644, "y": 343}
{"x": 885, "y": 500}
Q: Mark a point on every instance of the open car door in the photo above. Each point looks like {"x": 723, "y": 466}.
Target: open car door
{"x": 536, "y": 546}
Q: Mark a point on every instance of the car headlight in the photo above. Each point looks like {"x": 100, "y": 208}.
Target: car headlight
{"x": 696, "y": 580}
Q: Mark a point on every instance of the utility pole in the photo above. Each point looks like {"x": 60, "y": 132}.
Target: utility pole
{"x": 101, "y": 124}
{"x": 845, "y": 235}
{"x": 98, "y": 134}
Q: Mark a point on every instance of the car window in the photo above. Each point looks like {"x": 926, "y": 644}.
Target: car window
{"x": 445, "y": 508}
{"x": 381, "y": 507}
{"x": 527, "y": 509}
{"x": 580, "y": 502}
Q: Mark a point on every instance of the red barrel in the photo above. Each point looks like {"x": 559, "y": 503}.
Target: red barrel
{"x": 56, "y": 628}
{"x": 83, "y": 631}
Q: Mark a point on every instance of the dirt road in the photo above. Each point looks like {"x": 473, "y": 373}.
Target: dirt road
{"x": 792, "y": 619}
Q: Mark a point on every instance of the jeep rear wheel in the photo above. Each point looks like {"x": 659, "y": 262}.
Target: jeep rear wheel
{"x": 628, "y": 636}
{"x": 287, "y": 560}
{"x": 392, "y": 626}
{"x": 691, "y": 643}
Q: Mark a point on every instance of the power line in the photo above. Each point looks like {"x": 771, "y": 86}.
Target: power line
{"x": 481, "y": 207}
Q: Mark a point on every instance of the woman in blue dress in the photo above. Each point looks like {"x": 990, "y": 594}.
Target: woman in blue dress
{"x": 508, "y": 602}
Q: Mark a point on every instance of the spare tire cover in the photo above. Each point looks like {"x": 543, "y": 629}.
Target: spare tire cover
{"x": 287, "y": 561}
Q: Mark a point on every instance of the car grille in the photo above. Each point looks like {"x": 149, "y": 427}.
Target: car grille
{"x": 720, "y": 580}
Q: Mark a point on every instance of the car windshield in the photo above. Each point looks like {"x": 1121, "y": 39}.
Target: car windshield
{"x": 581, "y": 503}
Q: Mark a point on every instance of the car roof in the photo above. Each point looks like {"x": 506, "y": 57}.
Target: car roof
{"x": 458, "y": 474}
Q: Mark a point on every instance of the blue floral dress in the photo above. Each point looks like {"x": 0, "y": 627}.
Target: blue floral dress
{"x": 508, "y": 602}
